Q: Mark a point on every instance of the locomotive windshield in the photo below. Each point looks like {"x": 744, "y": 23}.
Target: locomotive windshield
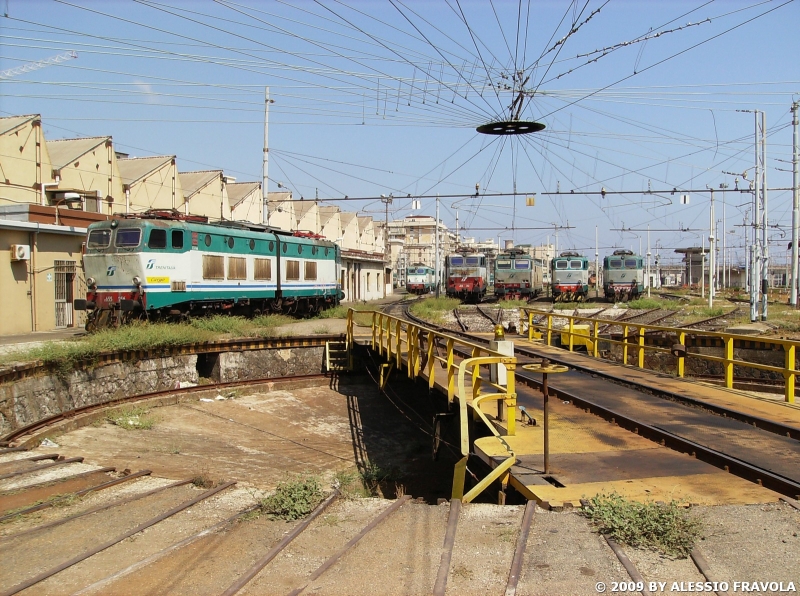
{"x": 128, "y": 237}
{"x": 522, "y": 265}
{"x": 99, "y": 239}
{"x": 456, "y": 260}
{"x": 562, "y": 264}
{"x": 504, "y": 264}
{"x": 615, "y": 263}
{"x": 475, "y": 261}
{"x": 575, "y": 265}
{"x": 630, "y": 263}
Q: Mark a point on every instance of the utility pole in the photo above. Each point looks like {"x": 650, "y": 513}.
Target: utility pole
{"x": 795, "y": 203}
{"x": 648, "y": 259}
{"x": 265, "y": 164}
{"x": 703, "y": 270}
{"x": 436, "y": 250}
{"x": 386, "y": 201}
{"x": 596, "y": 265}
{"x": 711, "y": 270}
{"x": 765, "y": 222}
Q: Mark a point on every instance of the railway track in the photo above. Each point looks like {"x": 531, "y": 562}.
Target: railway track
{"x": 331, "y": 549}
{"x": 709, "y": 323}
{"x": 695, "y": 438}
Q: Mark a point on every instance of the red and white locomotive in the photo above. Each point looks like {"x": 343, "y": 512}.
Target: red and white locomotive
{"x": 467, "y": 277}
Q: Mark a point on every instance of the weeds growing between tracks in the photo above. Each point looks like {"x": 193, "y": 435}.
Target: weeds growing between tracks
{"x": 663, "y": 527}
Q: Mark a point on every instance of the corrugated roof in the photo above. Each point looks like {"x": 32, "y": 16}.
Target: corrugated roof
{"x": 133, "y": 169}
{"x": 194, "y": 182}
{"x": 65, "y": 151}
{"x": 11, "y": 123}
{"x": 239, "y": 191}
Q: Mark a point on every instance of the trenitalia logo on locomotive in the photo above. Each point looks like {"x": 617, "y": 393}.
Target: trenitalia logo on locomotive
{"x": 111, "y": 270}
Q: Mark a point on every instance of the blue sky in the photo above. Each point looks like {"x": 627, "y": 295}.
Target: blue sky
{"x": 383, "y": 97}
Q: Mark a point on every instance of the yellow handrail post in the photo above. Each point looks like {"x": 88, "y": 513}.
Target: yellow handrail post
{"x": 380, "y": 334}
{"x": 399, "y": 350}
{"x": 641, "y": 347}
{"x": 790, "y": 374}
{"x": 451, "y": 372}
{"x": 431, "y": 359}
{"x": 374, "y": 330}
{"x": 388, "y": 339}
{"x": 596, "y": 339}
{"x": 411, "y": 349}
{"x": 349, "y": 327}
{"x": 728, "y": 362}
{"x": 681, "y": 359}
{"x": 625, "y": 344}
{"x": 476, "y": 371}
{"x": 530, "y": 326}
{"x": 511, "y": 400}
{"x": 571, "y": 330}
{"x": 549, "y": 329}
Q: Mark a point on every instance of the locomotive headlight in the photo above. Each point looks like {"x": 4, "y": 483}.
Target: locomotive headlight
{"x": 137, "y": 281}
{"x": 91, "y": 282}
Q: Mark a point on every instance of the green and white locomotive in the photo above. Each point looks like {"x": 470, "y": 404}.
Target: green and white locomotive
{"x": 517, "y": 275}
{"x": 569, "y": 273}
{"x": 164, "y": 265}
{"x": 623, "y": 276}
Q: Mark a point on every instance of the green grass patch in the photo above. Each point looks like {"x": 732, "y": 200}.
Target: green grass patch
{"x": 651, "y": 303}
{"x": 434, "y": 309}
{"x": 293, "y": 498}
{"x": 350, "y": 484}
{"x": 508, "y": 304}
{"x": 136, "y": 418}
{"x": 664, "y": 527}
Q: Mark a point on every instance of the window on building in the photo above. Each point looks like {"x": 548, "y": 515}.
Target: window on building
{"x": 292, "y": 270}
{"x": 158, "y": 239}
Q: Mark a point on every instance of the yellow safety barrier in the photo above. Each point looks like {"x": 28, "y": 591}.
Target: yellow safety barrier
{"x": 431, "y": 352}
{"x": 633, "y": 344}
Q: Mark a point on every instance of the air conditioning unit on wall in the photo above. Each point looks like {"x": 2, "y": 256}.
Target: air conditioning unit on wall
{"x": 20, "y": 252}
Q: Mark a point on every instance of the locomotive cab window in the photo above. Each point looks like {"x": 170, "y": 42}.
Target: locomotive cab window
{"x": 561, "y": 264}
{"x": 504, "y": 264}
{"x": 177, "y": 238}
{"x": 522, "y": 265}
{"x": 99, "y": 239}
{"x": 575, "y": 265}
{"x": 456, "y": 261}
{"x": 615, "y": 263}
{"x": 630, "y": 263}
{"x": 128, "y": 237}
{"x": 474, "y": 261}
{"x": 158, "y": 238}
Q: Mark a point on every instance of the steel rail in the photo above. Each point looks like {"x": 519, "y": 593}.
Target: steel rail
{"x": 108, "y": 544}
{"x": 627, "y": 564}
{"x": 80, "y": 493}
{"x": 351, "y": 543}
{"x": 440, "y": 587}
{"x": 702, "y": 566}
{"x": 118, "y": 502}
{"x": 52, "y": 456}
{"x": 459, "y": 321}
{"x": 71, "y": 460}
{"x": 278, "y": 548}
{"x": 58, "y": 480}
{"x": 44, "y": 422}
{"x": 519, "y": 552}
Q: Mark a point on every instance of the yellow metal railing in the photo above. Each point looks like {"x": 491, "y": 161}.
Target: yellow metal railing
{"x": 439, "y": 356}
{"x": 633, "y": 344}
